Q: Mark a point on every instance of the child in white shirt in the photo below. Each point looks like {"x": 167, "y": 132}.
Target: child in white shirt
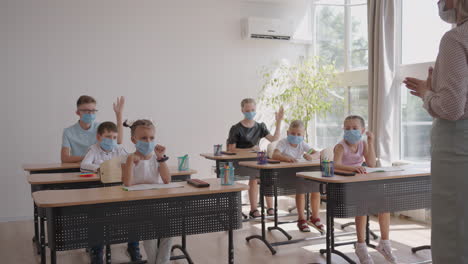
{"x": 105, "y": 149}
{"x": 292, "y": 149}
{"x": 148, "y": 165}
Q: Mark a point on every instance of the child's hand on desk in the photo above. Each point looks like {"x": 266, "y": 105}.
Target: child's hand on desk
{"x": 360, "y": 169}
{"x": 160, "y": 151}
{"x": 256, "y": 148}
{"x": 289, "y": 159}
{"x": 308, "y": 157}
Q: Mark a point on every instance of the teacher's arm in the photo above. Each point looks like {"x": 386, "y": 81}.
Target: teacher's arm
{"x": 449, "y": 100}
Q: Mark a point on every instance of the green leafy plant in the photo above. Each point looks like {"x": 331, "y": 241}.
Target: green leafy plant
{"x": 304, "y": 89}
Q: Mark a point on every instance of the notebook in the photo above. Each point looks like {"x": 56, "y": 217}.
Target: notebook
{"x": 383, "y": 169}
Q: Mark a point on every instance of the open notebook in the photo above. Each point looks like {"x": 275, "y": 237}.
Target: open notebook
{"x": 140, "y": 187}
{"x": 383, "y": 169}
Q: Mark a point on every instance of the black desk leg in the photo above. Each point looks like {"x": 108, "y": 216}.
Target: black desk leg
{"x": 36, "y": 237}
{"x": 416, "y": 249}
{"x": 42, "y": 243}
{"x": 182, "y": 248}
{"x": 330, "y": 237}
{"x": 276, "y": 227}
{"x": 53, "y": 256}
{"x": 263, "y": 236}
{"x": 307, "y": 201}
{"x": 231, "y": 247}
{"x": 368, "y": 234}
{"x": 108, "y": 254}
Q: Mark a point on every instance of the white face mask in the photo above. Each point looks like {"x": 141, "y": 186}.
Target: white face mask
{"x": 449, "y": 16}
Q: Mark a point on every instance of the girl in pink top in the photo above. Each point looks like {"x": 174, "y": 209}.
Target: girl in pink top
{"x": 349, "y": 155}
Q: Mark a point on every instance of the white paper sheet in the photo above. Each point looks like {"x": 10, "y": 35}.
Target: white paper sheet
{"x": 140, "y": 187}
{"x": 383, "y": 169}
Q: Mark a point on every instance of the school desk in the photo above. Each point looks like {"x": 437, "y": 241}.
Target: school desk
{"x": 240, "y": 172}
{"x": 109, "y": 215}
{"x": 278, "y": 180}
{"x": 371, "y": 193}
{"x": 58, "y": 181}
{"x": 51, "y": 167}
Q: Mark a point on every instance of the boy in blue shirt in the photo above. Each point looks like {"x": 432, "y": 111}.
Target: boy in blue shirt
{"x": 79, "y": 137}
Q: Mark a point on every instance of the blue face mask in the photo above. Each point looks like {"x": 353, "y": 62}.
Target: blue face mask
{"x": 108, "y": 144}
{"x": 88, "y": 118}
{"x": 352, "y": 136}
{"x": 295, "y": 139}
{"x": 144, "y": 147}
{"x": 250, "y": 115}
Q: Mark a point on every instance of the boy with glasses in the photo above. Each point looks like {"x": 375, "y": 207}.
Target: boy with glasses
{"x": 79, "y": 137}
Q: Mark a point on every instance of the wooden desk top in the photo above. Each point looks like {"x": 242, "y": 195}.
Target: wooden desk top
{"x": 50, "y": 166}
{"x": 54, "y": 178}
{"x": 375, "y": 176}
{"x": 238, "y": 156}
{"x": 281, "y": 165}
{"x": 62, "y": 198}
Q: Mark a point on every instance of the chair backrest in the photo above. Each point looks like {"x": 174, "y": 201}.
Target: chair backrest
{"x": 110, "y": 171}
{"x": 327, "y": 153}
{"x": 271, "y": 148}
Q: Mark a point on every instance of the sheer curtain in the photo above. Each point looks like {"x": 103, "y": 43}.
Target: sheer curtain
{"x": 383, "y": 91}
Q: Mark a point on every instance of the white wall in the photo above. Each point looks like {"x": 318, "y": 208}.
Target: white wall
{"x": 180, "y": 62}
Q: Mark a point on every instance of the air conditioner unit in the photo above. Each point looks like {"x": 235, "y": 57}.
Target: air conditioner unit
{"x": 267, "y": 28}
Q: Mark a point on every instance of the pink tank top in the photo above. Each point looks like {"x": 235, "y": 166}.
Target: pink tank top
{"x": 351, "y": 158}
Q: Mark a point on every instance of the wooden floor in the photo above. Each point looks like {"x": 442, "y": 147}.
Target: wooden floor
{"x": 16, "y": 245}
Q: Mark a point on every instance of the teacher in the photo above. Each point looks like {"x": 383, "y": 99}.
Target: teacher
{"x": 445, "y": 96}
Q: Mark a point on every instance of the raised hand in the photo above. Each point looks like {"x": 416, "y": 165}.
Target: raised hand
{"x": 119, "y": 105}
{"x": 280, "y": 114}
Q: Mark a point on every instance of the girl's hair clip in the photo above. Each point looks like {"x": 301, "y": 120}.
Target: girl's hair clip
{"x": 128, "y": 123}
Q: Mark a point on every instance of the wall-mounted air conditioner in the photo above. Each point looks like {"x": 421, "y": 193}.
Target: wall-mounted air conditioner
{"x": 267, "y": 28}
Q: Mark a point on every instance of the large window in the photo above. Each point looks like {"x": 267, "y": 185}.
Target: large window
{"x": 341, "y": 38}
{"x": 418, "y": 51}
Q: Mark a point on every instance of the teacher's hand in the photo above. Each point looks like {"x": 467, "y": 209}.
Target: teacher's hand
{"x": 419, "y": 87}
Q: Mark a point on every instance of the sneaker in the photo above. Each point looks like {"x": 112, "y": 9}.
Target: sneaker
{"x": 362, "y": 254}
{"x": 302, "y": 225}
{"x": 385, "y": 248}
{"x": 315, "y": 223}
{"x": 134, "y": 252}
{"x": 96, "y": 256}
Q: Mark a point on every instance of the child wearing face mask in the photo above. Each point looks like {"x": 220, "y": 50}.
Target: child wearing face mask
{"x": 245, "y": 136}
{"x": 77, "y": 139}
{"x": 349, "y": 155}
{"x": 105, "y": 149}
{"x": 292, "y": 149}
{"x": 148, "y": 165}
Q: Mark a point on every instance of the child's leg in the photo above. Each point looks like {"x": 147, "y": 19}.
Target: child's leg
{"x": 315, "y": 204}
{"x": 158, "y": 255}
{"x": 300, "y": 205}
{"x": 164, "y": 252}
{"x": 269, "y": 201}
{"x": 253, "y": 194}
{"x": 384, "y": 222}
{"x": 361, "y": 222}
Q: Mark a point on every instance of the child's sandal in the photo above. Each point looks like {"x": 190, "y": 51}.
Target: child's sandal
{"x": 270, "y": 211}
{"x": 254, "y": 214}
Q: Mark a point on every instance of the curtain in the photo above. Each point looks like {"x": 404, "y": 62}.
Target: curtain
{"x": 383, "y": 91}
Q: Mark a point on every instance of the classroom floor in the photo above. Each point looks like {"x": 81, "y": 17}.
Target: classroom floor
{"x": 16, "y": 245}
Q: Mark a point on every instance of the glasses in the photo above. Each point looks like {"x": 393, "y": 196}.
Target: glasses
{"x": 87, "y": 111}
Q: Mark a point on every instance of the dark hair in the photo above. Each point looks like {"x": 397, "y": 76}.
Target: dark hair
{"x": 106, "y": 127}
{"x": 356, "y": 117}
{"x": 85, "y": 99}
{"x": 140, "y": 122}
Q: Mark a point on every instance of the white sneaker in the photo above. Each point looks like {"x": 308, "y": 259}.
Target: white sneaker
{"x": 363, "y": 255}
{"x": 385, "y": 248}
